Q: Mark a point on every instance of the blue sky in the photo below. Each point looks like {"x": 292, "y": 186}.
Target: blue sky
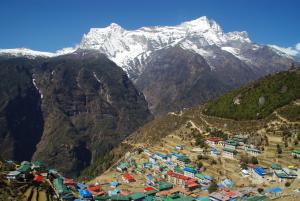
{"x": 49, "y": 25}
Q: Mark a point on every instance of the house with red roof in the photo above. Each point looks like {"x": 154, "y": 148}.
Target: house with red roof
{"x": 69, "y": 182}
{"x": 38, "y": 178}
{"x": 95, "y": 190}
{"x": 182, "y": 180}
{"x": 128, "y": 178}
{"x": 223, "y": 195}
{"x": 214, "y": 141}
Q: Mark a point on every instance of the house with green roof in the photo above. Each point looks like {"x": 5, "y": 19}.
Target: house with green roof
{"x": 178, "y": 197}
{"x": 296, "y": 153}
{"x": 149, "y": 198}
{"x": 229, "y": 153}
{"x": 240, "y": 139}
{"x": 63, "y": 191}
{"x": 102, "y": 197}
{"x": 122, "y": 166}
{"x": 150, "y": 193}
{"x": 275, "y": 166}
{"x": 38, "y": 165}
{"x": 178, "y": 170}
{"x": 200, "y": 177}
{"x": 24, "y": 170}
{"x": 120, "y": 198}
{"x": 258, "y": 198}
{"x": 25, "y": 163}
{"x": 230, "y": 144}
{"x": 138, "y": 196}
{"x": 252, "y": 151}
{"x": 163, "y": 185}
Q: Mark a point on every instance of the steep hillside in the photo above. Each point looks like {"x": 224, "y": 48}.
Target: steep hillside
{"x": 67, "y": 110}
{"x": 193, "y": 123}
{"x": 258, "y": 99}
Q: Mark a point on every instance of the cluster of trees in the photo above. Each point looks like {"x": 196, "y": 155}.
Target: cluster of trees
{"x": 219, "y": 133}
{"x": 291, "y": 112}
{"x": 245, "y": 159}
{"x": 297, "y": 138}
{"x": 201, "y": 142}
{"x": 279, "y": 149}
{"x": 213, "y": 187}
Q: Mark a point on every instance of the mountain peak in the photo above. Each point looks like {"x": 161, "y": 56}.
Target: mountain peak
{"x": 202, "y": 24}
{"x": 199, "y": 20}
{"x": 115, "y": 26}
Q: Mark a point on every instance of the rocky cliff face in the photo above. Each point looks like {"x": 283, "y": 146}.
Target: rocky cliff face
{"x": 68, "y": 110}
{"x": 21, "y": 120}
{"x": 175, "y": 78}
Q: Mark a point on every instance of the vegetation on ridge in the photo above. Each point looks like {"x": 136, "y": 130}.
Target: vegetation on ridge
{"x": 259, "y": 99}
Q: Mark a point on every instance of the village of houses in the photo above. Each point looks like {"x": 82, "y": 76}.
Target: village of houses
{"x": 173, "y": 172}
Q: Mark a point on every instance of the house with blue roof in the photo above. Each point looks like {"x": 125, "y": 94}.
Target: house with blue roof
{"x": 228, "y": 183}
{"x": 189, "y": 172}
{"x": 179, "y": 146}
{"x": 176, "y": 155}
{"x": 160, "y": 156}
{"x": 148, "y": 165}
{"x": 252, "y": 151}
{"x": 171, "y": 165}
{"x": 150, "y": 179}
{"x": 114, "y": 184}
{"x": 260, "y": 172}
{"x": 215, "y": 152}
{"x": 81, "y": 186}
{"x": 180, "y": 159}
{"x": 113, "y": 192}
{"x": 152, "y": 159}
{"x": 85, "y": 194}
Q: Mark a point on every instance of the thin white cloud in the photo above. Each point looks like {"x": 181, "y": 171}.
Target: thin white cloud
{"x": 290, "y": 51}
{"x": 297, "y": 46}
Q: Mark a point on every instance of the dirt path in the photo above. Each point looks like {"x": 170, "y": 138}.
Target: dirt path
{"x": 284, "y": 119}
{"x": 281, "y": 117}
{"x": 34, "y": 195}
{"x": 205, "y": 121}
{"x": 42, "y": 196}
{"x": 175, "y": 114}
{"x": 194, "y": 126}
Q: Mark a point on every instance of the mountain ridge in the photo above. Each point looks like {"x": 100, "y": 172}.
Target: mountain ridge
{"x": 96, "y": 38}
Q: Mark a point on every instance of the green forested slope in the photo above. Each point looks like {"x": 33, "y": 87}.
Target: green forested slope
{"x": 258, "y": 99}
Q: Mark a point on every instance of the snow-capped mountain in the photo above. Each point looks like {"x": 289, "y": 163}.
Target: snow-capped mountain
{"x": 130, "y": 48}
{"x": 25, "y": 52}
{"x": 287, "y": 52}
